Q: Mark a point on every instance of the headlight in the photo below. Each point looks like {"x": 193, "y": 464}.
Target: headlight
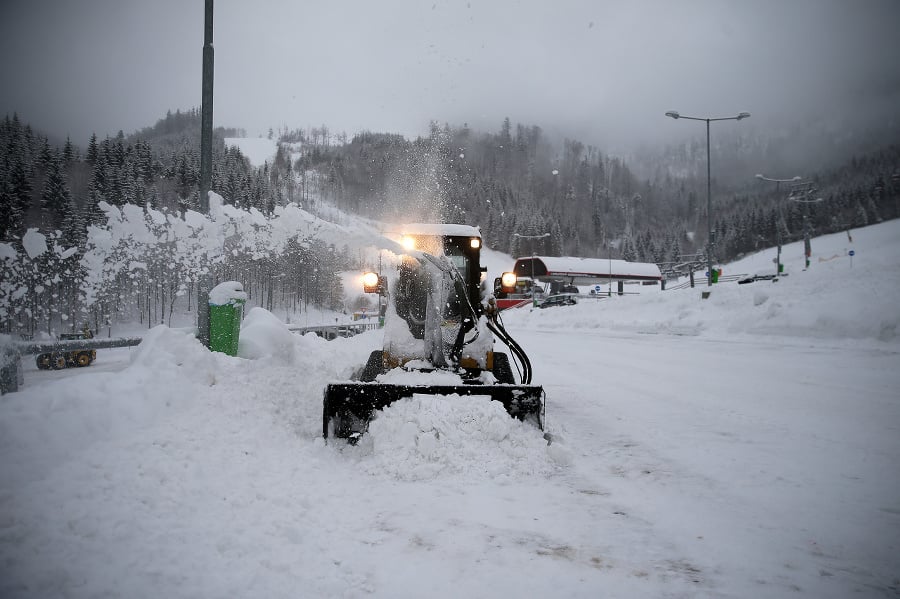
{"x": 370, "y": 282}
{"x": 408, "y": 242}
{"x": 508, "y": 282}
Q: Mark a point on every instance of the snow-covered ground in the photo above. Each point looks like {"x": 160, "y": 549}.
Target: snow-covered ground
{"x": 744, "y": 445}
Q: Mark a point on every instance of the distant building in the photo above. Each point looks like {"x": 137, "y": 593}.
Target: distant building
{"x": 585, "y": 271}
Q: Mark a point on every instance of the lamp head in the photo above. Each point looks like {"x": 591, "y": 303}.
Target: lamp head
{"x": 743, "y": 115}
{"x": 675, "y": 115}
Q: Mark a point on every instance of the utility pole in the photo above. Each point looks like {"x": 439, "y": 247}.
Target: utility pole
{"x": 206, "y": 120}
{"x": 779, "y": 218}
{"x": 801, "y": 193}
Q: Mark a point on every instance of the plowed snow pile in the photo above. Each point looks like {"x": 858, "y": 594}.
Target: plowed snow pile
{"x": 425, "y": 437}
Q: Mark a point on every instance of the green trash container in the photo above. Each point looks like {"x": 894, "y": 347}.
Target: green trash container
{"x": 226, "y": 308}
{"x": 715, "y": 275}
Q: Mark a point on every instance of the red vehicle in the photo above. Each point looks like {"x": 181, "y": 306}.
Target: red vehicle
{"x": 521, "y": 296}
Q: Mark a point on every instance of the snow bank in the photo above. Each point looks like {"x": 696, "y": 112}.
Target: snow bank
{"x": 426, "y": 437}
{"x": 177, "y": 354}
{"x": 408, "y": 375}
{"x": 838, "y": 297}
{"x": 46, "y": 428}
{"x": 263, "y": 335}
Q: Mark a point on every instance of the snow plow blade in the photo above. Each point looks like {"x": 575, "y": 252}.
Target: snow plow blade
{"x": 348, "y": 407}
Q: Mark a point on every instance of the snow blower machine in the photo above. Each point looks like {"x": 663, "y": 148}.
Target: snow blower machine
{"x": 440, "y": 326}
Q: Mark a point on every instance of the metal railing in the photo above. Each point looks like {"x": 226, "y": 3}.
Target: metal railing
{"x": 73, "y": 344}
{"x": 333, "y": 331}
{"x": 722, "y": 279}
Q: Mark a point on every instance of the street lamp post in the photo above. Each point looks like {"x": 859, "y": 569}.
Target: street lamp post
{"x": 533, "y": 300}
{"x": 778, "y": 183}
{"x": 676, "y": 115}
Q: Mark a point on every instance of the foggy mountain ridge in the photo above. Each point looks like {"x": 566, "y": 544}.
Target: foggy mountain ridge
{"x": 517, "y": 179}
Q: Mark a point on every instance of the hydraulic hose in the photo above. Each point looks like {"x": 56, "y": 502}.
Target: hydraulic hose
{"x": 516, "y": 349}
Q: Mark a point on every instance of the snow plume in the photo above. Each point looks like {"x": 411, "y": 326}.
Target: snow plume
{"x": 419, "y": 187}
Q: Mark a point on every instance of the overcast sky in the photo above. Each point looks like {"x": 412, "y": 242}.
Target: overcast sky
{"x": 604, "y": 72}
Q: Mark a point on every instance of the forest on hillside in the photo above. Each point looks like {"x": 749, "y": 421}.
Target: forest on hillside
{"x": 513, "y": 182}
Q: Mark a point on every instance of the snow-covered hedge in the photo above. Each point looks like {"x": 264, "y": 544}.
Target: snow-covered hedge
{"x": 142, "y": 260}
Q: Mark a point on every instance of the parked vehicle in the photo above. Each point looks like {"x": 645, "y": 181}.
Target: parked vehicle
{"x": 57, "y": 360}
{"x": 521, "y": 296}
{"x": 558, "y": 300}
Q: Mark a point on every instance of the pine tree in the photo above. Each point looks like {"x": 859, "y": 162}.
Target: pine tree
{"x": 114, "y": 188}
{"x": 69, "y": 153}
{"x": 19, "y": 189}
{"x": 93, "y": 153}
{"x": 92, "y": 214}
{"x": 46, "y": 153}
{"x": 57, "y": 207}
{"x": 7, "y": 224}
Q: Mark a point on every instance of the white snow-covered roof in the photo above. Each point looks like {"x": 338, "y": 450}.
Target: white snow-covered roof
{"x": 586, "y": 271}
{"x": 443, "y": 230}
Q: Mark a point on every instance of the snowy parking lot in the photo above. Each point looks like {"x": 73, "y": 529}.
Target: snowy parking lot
{"x": 739, "y": 446}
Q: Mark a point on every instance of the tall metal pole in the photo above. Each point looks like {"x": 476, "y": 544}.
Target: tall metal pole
{"x": 779, "y": 217}
{"x": 533, "y": 300}
{"x": 206, "y": 120}
{"x": 206, "y": 109}
{"x": 709, "y": 241}
{"x": 807, "y": 247}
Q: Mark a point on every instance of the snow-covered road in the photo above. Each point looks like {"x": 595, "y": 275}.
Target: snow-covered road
{"x": 766, "y": 466}
{"x": 682, "y": 467}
